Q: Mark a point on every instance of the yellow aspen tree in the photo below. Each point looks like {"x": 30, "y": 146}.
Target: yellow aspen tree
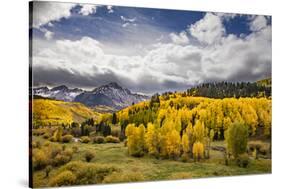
{"x": 198, "y": 151}
{"x": 250, "y": 117}
{"x": 141, "y": 138}
{"x": 185, "y": 143}
{"x": 58, "y": 134}
{"x": 189, "y": 132}
{"x": 152, "y": 139}
{"x": 173, "y": 144}
{"x": 199, "y": 131}
{"x": 135, "y": 140}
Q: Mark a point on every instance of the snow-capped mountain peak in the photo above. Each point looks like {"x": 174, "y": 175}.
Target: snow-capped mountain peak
{"x": 112, "y": 95}
{"x": 59, "y": 93}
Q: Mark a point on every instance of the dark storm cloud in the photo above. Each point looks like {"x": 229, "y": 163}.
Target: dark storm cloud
{"x": 53, "y": 77}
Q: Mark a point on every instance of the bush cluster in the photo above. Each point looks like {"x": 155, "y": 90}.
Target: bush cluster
{"x": 67, "y": 138}
{"x": 89, "y": 155}
{"x": 77, "y": 172}
{"x": 85, "y": 139}
{"x": 111, "y": 139}
{"x": 99, "y": 139}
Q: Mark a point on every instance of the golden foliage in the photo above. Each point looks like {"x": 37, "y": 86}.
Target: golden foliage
{"x": 48, "y": 112}
{"x": 198, "y": 151}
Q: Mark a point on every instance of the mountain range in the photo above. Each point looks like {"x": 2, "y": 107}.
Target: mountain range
{"x": 110, "y": 95}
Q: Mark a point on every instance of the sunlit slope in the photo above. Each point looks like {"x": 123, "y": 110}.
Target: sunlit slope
{"x": 53, "y": 112}
{"x": 179, "y": 111}
{"x": 265, "y": 82}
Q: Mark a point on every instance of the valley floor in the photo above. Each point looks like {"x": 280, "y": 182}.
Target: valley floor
{"x": 153, "y": 169}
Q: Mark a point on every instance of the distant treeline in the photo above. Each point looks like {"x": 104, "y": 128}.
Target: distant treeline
{"x": 229, "y": 89}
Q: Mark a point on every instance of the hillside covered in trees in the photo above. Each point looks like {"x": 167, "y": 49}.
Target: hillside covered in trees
{"x": 260, "y": 88}
{"x": 49, "y": 112}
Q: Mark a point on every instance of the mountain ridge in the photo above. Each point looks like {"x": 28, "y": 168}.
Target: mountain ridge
{"x": 112, "y": 95}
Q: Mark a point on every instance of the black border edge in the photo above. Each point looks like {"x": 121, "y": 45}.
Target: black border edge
{"x": 30, "y": 79}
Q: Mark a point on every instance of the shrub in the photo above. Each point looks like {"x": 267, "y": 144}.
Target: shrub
{"x": 198, "y": 151}
{"x": 52, "y": 139}
{"x": 264, "y": 150}
{"x": 243, "y": 160}
{"x": 61, "y": 159}
{"x": 255, "y": 145}
{"x": 85, "y": 139}
{"x": 88, "y": 173}
{"x": 67, "y": 138}
{"x": 36, "y": 144}
{"x": 65, "y": 178}
{"x": 89, "y": 155}
{"x": 115, "y": 131}
{"x": 58, "y": 134}
{"x": 99, "y": 139}
{"x": 93, "y": 134}
{"x": 75, "y": 149}
{"x": 48, "y": 170}
{"x": 68, "y": 152}
{"x": 55, "y": 149}
{"x": 123, "y": 177}
{"x": 237, "y": 138}
{"x": 112, "y": 139}
{"x": 46, "y": 144}
{"x": 184, "y": 157}
{"x": 46, "y": 136}
{"x": 38, "y": 132}
{"x": 74, "y": 166}
{"x": 39, "y": 159}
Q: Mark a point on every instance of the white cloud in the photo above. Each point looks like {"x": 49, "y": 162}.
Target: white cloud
{"x": 44, "y": 12}
{"x": 110, "y": 9}
{"x": 172, "y": 65}
{"x": 180, "y": 39}
{"x": 87, "y": 9}
{"x": 128, "y": 19}
{"x": 49, "y": 35}
{"x": 226, "y": 16}
{"x": 125, "y": 25}
{"x": 258, "y": 23}
{"x": 208, "y": 30}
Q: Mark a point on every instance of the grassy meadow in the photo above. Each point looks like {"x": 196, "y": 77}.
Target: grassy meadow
{"x": 149, "y": 169}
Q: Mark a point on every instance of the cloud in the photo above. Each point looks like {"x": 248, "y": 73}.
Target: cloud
{"x": 226, "y": 16}
{"x": 208, "y": 30}
{"x": 48, "y": 34}
{"x": 87, "y": 9}
{"x": 180, "y": 38}
{"x": 170, "y": 65}
{"x": 258, "y": 23}
{"x": 45, "y": 12}
{"x": 128, "y": 19}
{"x": 110, "y": 9}
{"x": 125, "y": 25}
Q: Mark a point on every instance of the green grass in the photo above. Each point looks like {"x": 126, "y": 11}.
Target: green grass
{"x": 154, "y": 169}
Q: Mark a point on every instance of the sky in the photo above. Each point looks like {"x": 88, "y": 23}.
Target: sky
{"x": 146, "y": 50}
